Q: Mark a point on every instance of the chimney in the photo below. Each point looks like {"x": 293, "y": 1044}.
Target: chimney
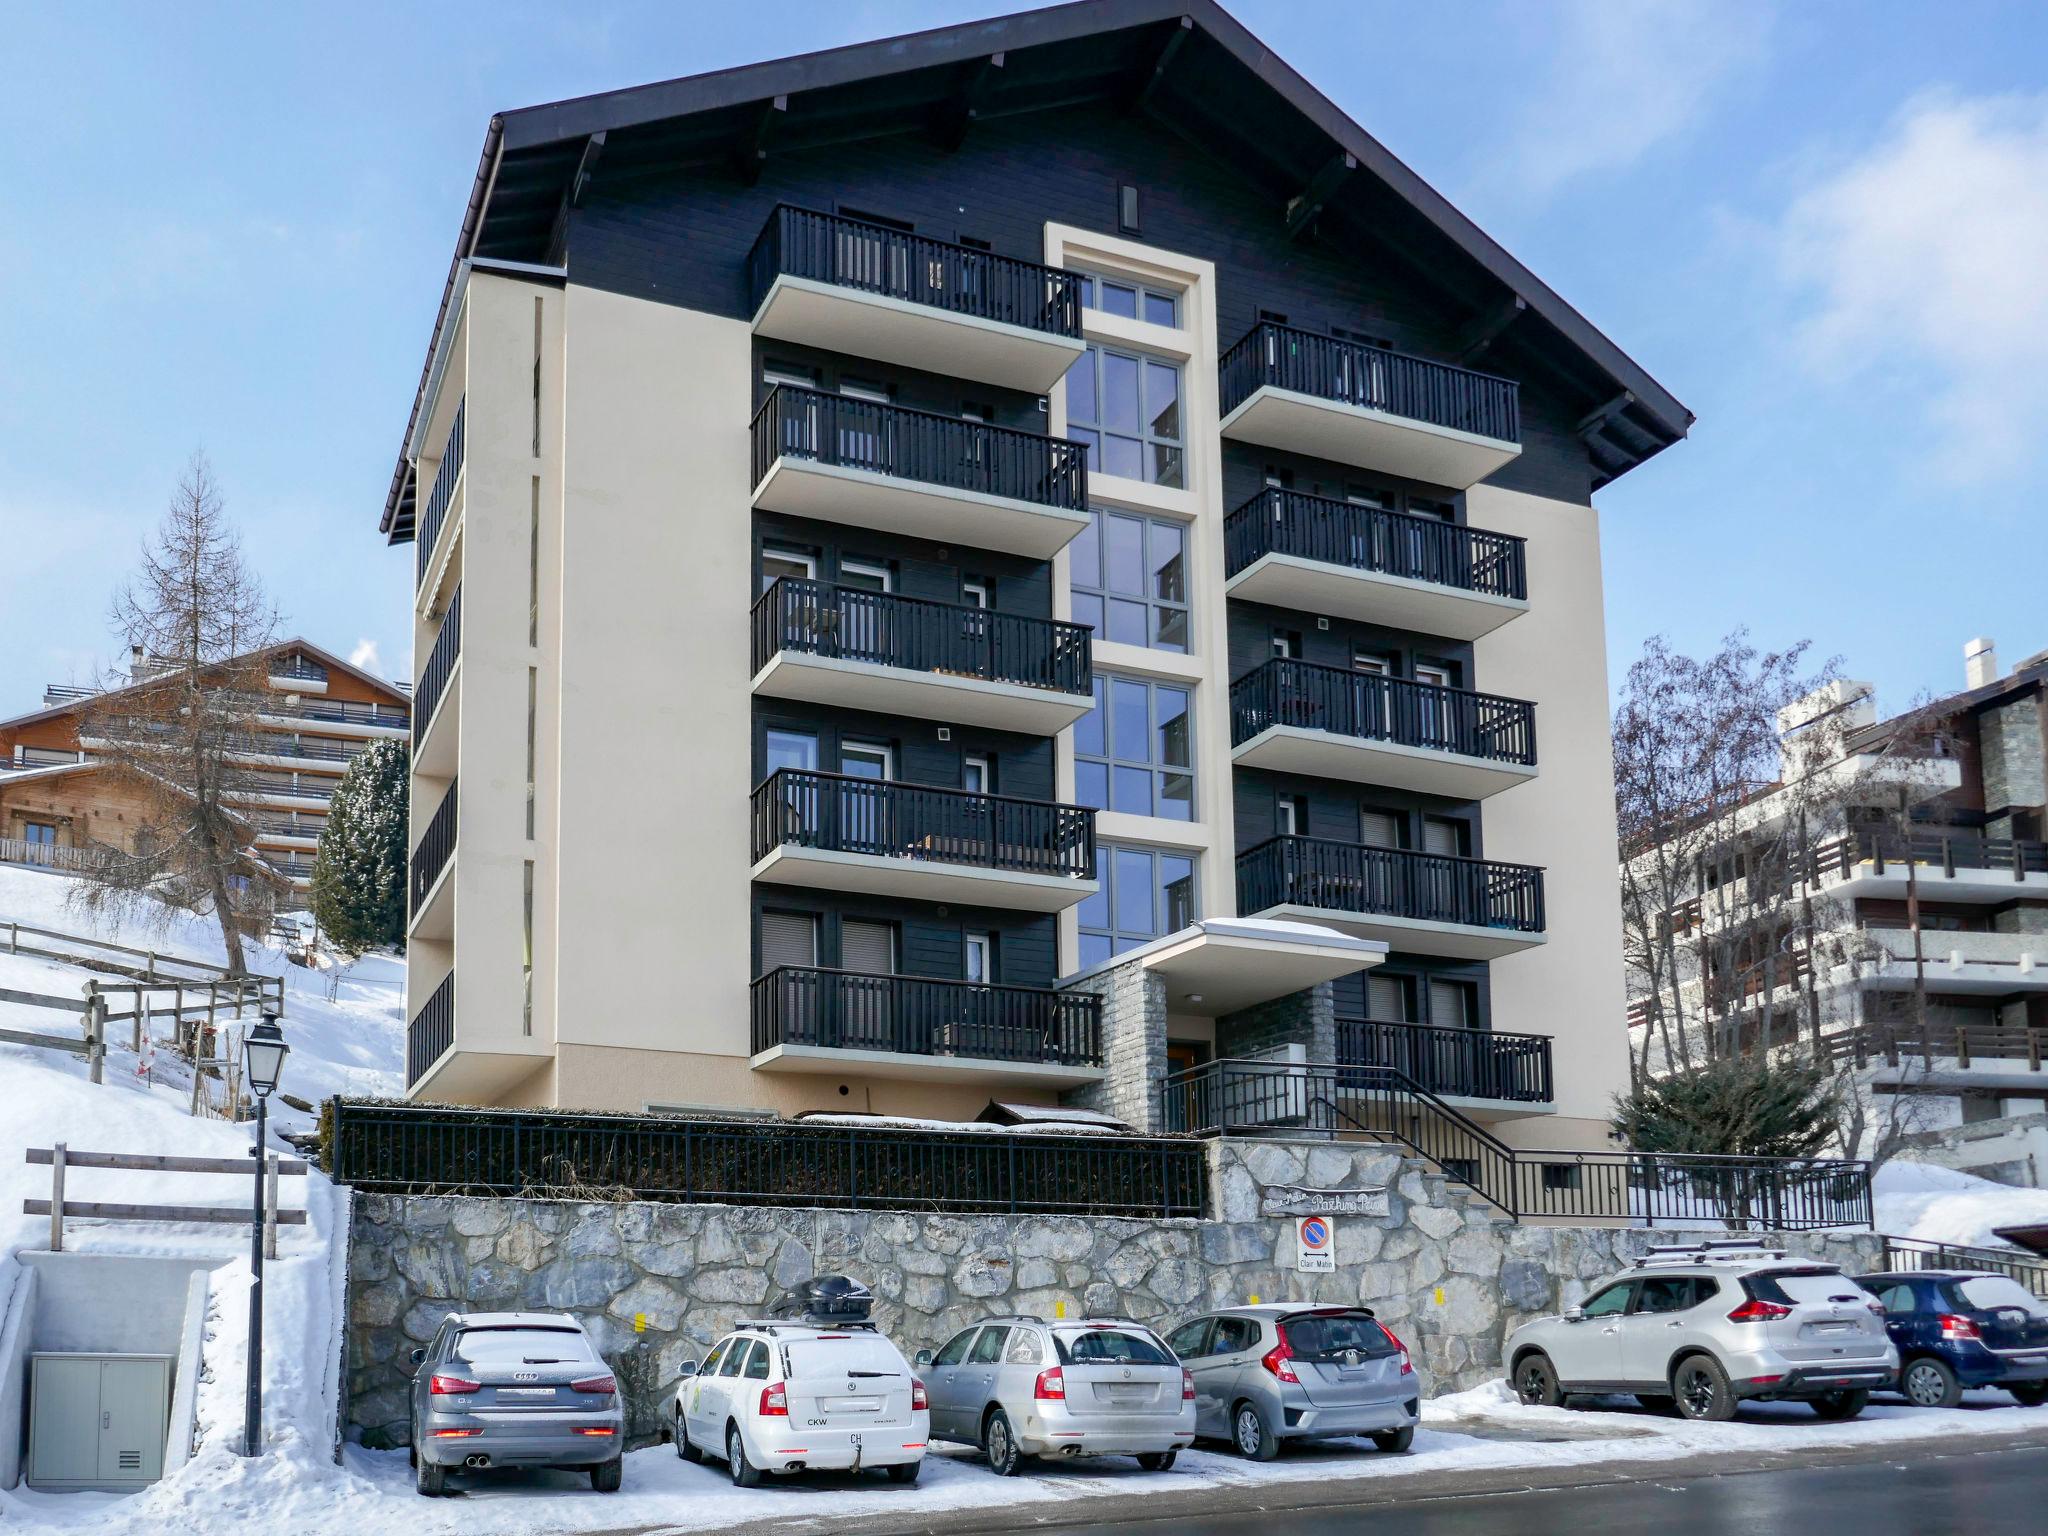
{"x": 135, "y": 667}
{"x": 1846, "y": 704}
{"x": 1980, "y": 662}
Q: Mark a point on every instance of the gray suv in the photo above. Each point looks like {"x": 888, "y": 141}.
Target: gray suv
{"x": 1021, "y": 1386}
{"x": 1292, "y": 1371}
{"x": 1703, "y": 1328}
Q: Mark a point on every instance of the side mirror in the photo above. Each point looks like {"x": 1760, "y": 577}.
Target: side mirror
{"x": 687, "y": 1369}
{"x": 924, "y": 1358}
{"x": 1575, "y": 1314}
{"x": 419, "y": 1357}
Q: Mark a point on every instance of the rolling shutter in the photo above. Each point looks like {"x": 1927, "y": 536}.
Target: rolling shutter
{"x": 869, "y": 948}
{"x": 1379, "y": 829}
{"x": 1448, "y": 1005}
{"x": 788, "y": 938}
{"x": 1386, "y": 999}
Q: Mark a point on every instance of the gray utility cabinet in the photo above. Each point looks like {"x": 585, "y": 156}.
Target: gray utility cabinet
{"x": 97, "y": 1421}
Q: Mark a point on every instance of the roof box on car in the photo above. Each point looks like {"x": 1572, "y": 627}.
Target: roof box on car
{"x": 835, "y": 1298}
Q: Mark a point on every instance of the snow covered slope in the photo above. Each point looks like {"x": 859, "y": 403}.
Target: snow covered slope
{"x": 1940, "y": 1205}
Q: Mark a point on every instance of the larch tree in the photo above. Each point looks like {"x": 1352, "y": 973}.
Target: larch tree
{"x": 359, "y": 874}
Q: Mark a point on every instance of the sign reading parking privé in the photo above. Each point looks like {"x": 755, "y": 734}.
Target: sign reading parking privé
{"x": 1315, "y": 1245}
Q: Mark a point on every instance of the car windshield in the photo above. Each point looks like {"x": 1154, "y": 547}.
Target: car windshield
{"x": 1318, "y": 1337}
{"x": 524, "y": 1346}
{"x": 1985, "y": 1292}
{"x": 852, "y": 1355}
{"x": 1093, "y": 1346}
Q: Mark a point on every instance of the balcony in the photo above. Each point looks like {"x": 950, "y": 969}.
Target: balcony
{"x": 296, "y": 674}
{"x": 1943, "y": 864}
{"x": 1319, "y": 555}
{"x": 341, "y": 717}
{"x": 1342, "y": 400}
{"x": 1297, "y": 717}
{"x": 850, "y": 286}
{"x": 1470, "y": 1066}
{"x": 806, "y": 1019}
{"x": 917, "y": 473}
{"x": 434, "y": 750}
{"x": 431, "y": 1032}
{"x": 835, "y": 832}
{"x": 431, "y": 896}
{"x": 904, "y": 656}
{"x": 442, "y": 497}
{"x": 1420, "y": 903}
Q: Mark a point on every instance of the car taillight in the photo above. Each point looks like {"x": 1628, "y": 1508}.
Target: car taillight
{"x": 1755, "y": 1311}
{"x": 1187, "y": 1385}
{"x": 1280, "y": 1359}
{"x": 1407, "y": 1365}
{"x": 917, "y": 1397}
{"x": 1051, "y": 1386}
{"x": 1957, "y": 1328}
{"x": 775, "y": 1402}
{"x": 442, "y": 1386}
{"x": 604, "y": 1385}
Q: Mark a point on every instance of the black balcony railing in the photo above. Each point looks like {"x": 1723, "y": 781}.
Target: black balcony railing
{"x": 435, "y": 848}
{"x": 443, "y": 492}
{"x": 1389, "y": 882}
{"x": 1456, "y": 1063}
{"x": 1370, "y": 707}
{"x": 1320, "y": 528}
{"x": 920, "y": 446}
{"x": 851, "y": 624}
{"x": 1937, "y": 848}
{"x": 1352, "y": 373}
{"x": 925, "y": 1016}
{"x": 440, "y": 664}
{"x": 852, "y": 253}
{"x": 296, "y": 668}
{"x": 337, "y": 712}
{"x": 801, "y": 807}
{"x": 431, "y": 1032}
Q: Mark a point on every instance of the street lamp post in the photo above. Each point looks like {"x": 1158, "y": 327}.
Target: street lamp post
{"x": 263, "y": 1054}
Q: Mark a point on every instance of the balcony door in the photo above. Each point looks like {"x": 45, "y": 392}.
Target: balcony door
{"x": 1437, "y": 713}
{"x": 790, "y": 939}
{"x": 864, "y": 628}
{"x": 41, "y": 838}
{"x": 867, "y": 953}
{"x": 864, "y": 820}
{"x": 863, "y": 426}
{"x": 799, "y": 807}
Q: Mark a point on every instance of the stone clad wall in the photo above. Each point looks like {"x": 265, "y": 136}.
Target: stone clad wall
{"x": 1447, "y": 1272}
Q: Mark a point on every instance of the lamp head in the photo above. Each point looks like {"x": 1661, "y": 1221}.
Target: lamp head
{"x": 263, "y": 1054}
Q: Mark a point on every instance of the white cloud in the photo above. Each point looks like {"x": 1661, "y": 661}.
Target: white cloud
{"x": 365, "y": 656}
{"x": 1927, "y": 255}
{"x": 1621, "y": 79}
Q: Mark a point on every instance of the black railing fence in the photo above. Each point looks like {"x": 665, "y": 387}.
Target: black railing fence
{"x": 1370, "y": 707}
{"x": 1395, "y": 882}
{"x": 1321, "y": 528}
{"x": 1353, "y": 373}
{"x": 435, "y": 848}
{"x": 432, "y": 1149}
{"x": 1382, "y": 1104}
{"x": 443, "y": 492}
{"x": 337, "y": 712}
{"x": 852, "y": 253}
{"x": 841, "y": 813}
{"x": 921, "y": 446}
{"x": 1935, "y": 848}
{"x": 431, "y": 1031}
{"x": 1910, "y": 1253}
{"x": 426, "y": 698}
{"x": 852, "y": 624}
{"x": 1458, "y": 1063}
{"x": 925, "y": 1016}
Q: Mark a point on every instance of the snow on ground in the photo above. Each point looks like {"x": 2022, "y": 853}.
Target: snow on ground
{"x": 1940, "y": 1205}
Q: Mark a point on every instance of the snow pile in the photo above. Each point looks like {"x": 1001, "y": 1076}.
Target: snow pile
{"x": 1941, "y": 1205}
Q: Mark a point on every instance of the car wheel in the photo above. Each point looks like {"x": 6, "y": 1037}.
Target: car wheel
{"x": 1840, "y": 1405}
{"x": 744, "y": 1473}
{"x": 1250, "y": 1433}
{"x": 429, "y": 1478}
{"x": 606, "y": 1475}
{"x": 1157, "y": 1461}
{"x": 904, "y": 1471}
{"x": 2029, "y": 1394}
{"x": 1929, "y": 1383}
{"x": 999, "y": 1444}
{"x": 1536, "y": 1383}
{"x": 684, "y": 1449}
{"x": 1702, "y": 1390}
{"x": 1395, "y": 1440}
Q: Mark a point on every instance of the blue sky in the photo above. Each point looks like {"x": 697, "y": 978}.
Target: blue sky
{"x": 1823, "y": 226}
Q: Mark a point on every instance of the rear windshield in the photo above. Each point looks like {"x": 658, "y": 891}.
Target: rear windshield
{"x": 1317, "y": 1337}
{"x": 522, "y": 1346}
{"x": 1794, "y": 1286}
{"x": 1984, "y": 1292}
{"x": 860, "y": 1354}
{"x": 1090, "y": 1346}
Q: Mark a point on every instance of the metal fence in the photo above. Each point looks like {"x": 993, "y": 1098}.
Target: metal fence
{"x": 440, "y": 665}
{"x": 1332, "y": 532}
{"x": 1908, "y": 1253}
{"x": 1374, "y": 378}
{"x": 1463, "y": 1063}
{"x": 925, "y": 1016}
{"x": 1396, "y": 882}
{"x": 806, "y": 808}
{"x": 443, "y": 493}
{"x": 1367, "y": 706}
{"x": 431, "y": 1031}
{"x": 436, "y": 847}
{"x": 435, "y": 1150}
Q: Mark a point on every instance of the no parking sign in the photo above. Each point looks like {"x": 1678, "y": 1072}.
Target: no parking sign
{"x": 1315, "y": 1245}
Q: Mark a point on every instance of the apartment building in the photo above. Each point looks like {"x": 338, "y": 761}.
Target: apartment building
{"x": 1009, "y": 562}
{"x": 1923, "y": 968}
{"x": 59, "y": 803}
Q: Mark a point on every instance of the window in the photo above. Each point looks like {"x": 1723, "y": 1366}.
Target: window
{"x": 788, "y": 938}
{"x": 866, "y": 575}
{"x": 1187, "y": 1340}
{"x": 975, "y": 590}
{"x": 1024, "y": 1348}
{"x": 1610, "y": 1302}
{"x": 1445, "y": 836}
{"x": 1387, "y": 998}
{"x": 1380, "y": 829}
{"x": 735, "y": 1354}
{"x": 1287, "y": 644}
{"x": 1126, "y": 408}
{"x": 778, "y": 561}
{"x": 1235, "y": 1335}
{"x": 869, "y": 948}
{"x": 980, "y": 958}
{"x": 955, "y": 1350}
{"x": 1132, "y": 752}
{"x": 1561, "y": 1177}
{"x": 1127, "y": 209}
{"x": 757, "y": 1362}
{"x": 1144, "y": 894}
{"x": 1130, "y": 580}
{"x": 1660, "y": 1293}
{"x": 1290, "y": 818}
{"x": 1898, "y": 1300}
{"x": 793, "y": 374}
{"x": 791, "y": 749}
{"x": 1110, "y": 1346}
{"x": 1130, "y": 300}
{"x": 988, "y": 1349}
{"x": 977, "y": 774}
{"x": 1450, "y": 1004}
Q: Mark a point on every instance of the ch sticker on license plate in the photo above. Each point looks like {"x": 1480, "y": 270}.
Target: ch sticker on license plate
{"x": 526, "y": 1391}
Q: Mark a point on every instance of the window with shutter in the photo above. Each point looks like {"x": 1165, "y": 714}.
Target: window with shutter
{"x": 1440, "y": 835}
{"x": 1449, "y": 1005}
{"x": 788, "y": 938}
{"x": 868, "y": 947}
{"x": 1386, "y": 999}
{"x": 1379, "y": 829}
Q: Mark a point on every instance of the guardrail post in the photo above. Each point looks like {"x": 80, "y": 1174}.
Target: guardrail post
{"x": 95, "y": 1030}
{"x": 57, "y": 1198}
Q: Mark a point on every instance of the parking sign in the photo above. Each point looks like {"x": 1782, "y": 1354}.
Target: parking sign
{"x": 1316, "y": 1245}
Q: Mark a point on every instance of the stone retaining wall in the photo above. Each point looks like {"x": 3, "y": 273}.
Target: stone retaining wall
{"x": 657, "y": 1284}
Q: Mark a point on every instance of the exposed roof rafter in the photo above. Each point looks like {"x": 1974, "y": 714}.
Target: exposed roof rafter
{"x": 949, "y": 130}
{"x": 1150, "y": 80}
{"x": 752, "y": 147}
{"x": 1486, "y": 330}
{"x": 1302, "y": 211}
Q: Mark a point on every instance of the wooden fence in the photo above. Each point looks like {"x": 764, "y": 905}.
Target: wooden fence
{"x": 61, "y": 1159}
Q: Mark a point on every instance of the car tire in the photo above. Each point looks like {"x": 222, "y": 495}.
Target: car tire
{"x": 904, "y": 1471}
{"x": 999, "y": 1445}
{"x": 1394, "y": 1441}
{"x": 606, "y": 1476}
{"x": 2028, "y": 1394}
{"x": 744, "y": 1473}
{"x": 1251, "y": 1434}
{"x": 1536, "y": 1382}
{"x": 1835, "y": 1406}
{"x": 429, "y": 1478}
{"x": 1929, "y": 1383}
{"x": 1702, "y": 1390}
{"x": 412, "y": 1454}
{"x": 1158, "y": 1461}
{"x": 684, "y": 1450}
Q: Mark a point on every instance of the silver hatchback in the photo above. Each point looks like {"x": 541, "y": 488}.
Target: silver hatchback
{"x": 1274, "y": 1372}
{"x": 1022, "y": 1386}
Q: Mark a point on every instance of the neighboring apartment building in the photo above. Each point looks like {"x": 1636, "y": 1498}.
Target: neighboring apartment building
{"x": 1928, "y": 878}
{"x": 58, "y": 803}
{"x": 916, "y": 543}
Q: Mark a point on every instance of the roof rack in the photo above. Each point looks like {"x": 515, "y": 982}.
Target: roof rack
{"x": 812, "y": 1322}
{"x": 1712, "y": 1248}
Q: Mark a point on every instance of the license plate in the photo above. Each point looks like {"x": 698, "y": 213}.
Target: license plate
{"x": 504, "y": 1392}
{"x": 1834, "y": 1327}
{"x": 854, "y": 1404}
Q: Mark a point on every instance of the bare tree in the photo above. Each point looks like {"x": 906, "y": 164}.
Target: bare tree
{"x": 196, "y": 620}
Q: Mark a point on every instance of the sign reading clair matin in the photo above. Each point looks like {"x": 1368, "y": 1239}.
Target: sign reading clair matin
{"x": 1295, "y": 1200}
{"x": 1316, "y": 1245}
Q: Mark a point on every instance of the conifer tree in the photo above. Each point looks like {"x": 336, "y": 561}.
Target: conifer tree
{"x": 360, "y": 870}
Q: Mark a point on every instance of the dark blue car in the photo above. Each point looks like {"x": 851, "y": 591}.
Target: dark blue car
{"x": 1958, "y": 1328}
